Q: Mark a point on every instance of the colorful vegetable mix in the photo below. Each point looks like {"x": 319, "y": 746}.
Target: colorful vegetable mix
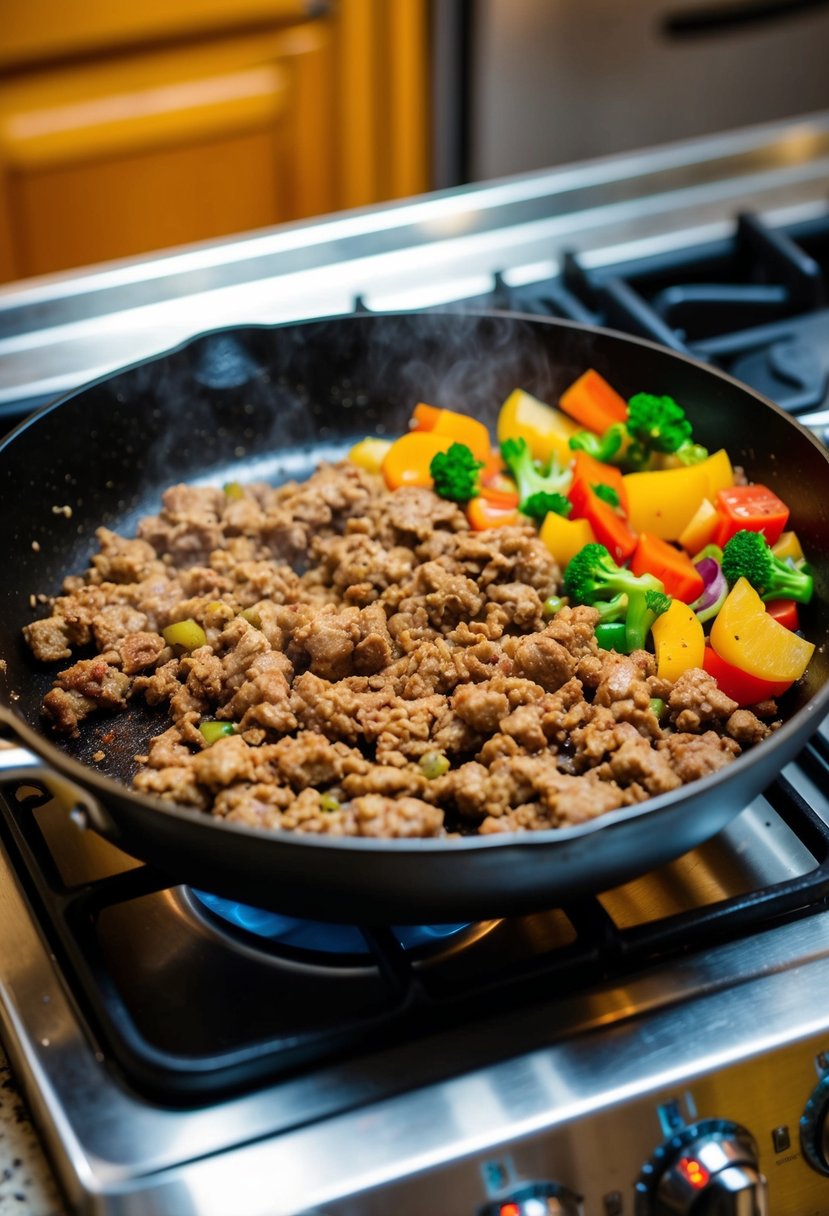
{"x": 652, "y": 427}
{"x": 649, "y": 529}
{"x": 746, "y": 636}
{"x": 592, "y": 577}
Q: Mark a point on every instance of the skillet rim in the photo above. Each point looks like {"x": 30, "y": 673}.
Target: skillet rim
{"x": 102, "y": 786}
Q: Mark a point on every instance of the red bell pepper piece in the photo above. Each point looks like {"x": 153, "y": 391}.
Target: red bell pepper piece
{"x": 680, "y": 576}
{"x": 609, "y": 527}
{"x": 785, "y": 612}
{"x": 755, "y": 508}
{"x": 596, "y": 473}
{"x": 742, "y": 687}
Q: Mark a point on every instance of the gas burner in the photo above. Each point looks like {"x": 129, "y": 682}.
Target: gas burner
{"x": 315, "y": 938}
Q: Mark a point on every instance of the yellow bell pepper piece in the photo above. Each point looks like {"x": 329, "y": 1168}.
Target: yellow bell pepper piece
{"x": 547, "y": 430}
{"x": 565, "y": 537}
{"x": 719, "y": 472}
{"x": 679, "y": 641}
{"x": 745, "y": 635}
{"x": 407, "y": 461}
{"x": 787, "y": 546}
{"x": 700, "y": 530}
{"x": 187, "y": 634}
{"x": 368, "y": 454}
{"x": 665, "y": 501}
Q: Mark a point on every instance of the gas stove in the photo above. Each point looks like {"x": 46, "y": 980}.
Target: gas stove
{"x": 660, "y": 1048}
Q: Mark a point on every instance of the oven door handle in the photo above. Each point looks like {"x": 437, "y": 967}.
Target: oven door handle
{"x": 712, "y": 19}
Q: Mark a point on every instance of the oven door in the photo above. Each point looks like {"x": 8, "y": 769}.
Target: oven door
{"x": 552, "y": 81}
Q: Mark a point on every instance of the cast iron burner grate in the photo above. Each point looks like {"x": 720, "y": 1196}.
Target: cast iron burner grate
{"x": 187, "y": 1008}
{"x": 754, "y": 304}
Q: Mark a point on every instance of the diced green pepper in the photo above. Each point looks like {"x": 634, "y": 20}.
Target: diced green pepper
{"x": 434, "y": 764}
{"x": 552, "y": 605}
{"x": 188, "y": 634}
{"x": 329, "y": 803}
{"x": 212, "y": 730}
{"x": 611, "y": 636}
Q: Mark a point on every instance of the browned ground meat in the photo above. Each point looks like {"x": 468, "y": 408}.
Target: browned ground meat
{"x": 386, "y": 671}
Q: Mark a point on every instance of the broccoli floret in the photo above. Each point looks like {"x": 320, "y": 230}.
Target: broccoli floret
{"x": 748, "y": 555}
{"x": 606, "y": 493}
{"x": 601, "y": 447}
{"x": 658, "y": 424}
{"x": 455, "y": 473}
{"x": 592, "y": 577}
{"x": 540, "y": 504}
{"x": 529, "y": 479}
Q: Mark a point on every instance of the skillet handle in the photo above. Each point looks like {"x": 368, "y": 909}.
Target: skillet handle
{"x": 17, "y": 763}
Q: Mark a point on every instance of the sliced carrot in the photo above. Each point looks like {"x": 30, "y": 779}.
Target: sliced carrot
{"x": 593, "y": 402}
{"x": 407, "y": 461}
{"x": 675, "y": 569}
{"x": 595, "y": 472}
{"x": 460, "y": 428}
{"x": 483, "y": 514}
{"x": 609, "y": 527}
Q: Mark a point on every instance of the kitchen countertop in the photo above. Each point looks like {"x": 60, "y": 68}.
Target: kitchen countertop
{"x": 27, "y": 1186}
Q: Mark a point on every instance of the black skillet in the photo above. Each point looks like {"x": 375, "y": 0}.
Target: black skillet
{"x": 266, "y": 402}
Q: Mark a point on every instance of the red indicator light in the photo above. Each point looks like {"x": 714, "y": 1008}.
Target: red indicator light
{"x": 510, "y": 1209}
{"x": 694, "y": 1172}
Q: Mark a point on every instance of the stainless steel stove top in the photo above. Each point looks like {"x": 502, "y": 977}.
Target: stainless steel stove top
{"x": 614, "y": 1057}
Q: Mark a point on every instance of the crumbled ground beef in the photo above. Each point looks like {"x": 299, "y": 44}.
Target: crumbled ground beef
{"x": 387, "y": 672}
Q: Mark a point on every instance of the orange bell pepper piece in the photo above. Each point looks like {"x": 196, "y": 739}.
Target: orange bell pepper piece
{"x": 591, "y": 401}
{"x": 609, "y": 528}
{"x": 755, "y": 508}
{"x": 460, "y": 428}
{"x": 407, "y": 461}
{"x": 483, "y": 514}
{"x": 680, "y": 576}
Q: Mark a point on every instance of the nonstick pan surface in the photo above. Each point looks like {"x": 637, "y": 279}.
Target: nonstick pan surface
{"x": 271, "y": 402}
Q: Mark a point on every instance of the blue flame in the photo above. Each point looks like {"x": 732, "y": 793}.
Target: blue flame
{"x": 313, "y": 935}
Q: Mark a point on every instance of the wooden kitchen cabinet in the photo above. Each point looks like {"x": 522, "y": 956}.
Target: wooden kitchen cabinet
{"x": 125, "y": 130}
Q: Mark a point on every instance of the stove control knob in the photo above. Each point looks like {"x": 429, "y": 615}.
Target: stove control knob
{"x": 814, "y": 1128}
{"x": 535, "y": 1199}
{"x": 706, "y": 1169}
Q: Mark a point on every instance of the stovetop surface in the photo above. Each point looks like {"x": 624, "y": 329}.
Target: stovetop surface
{"x": 194, "y": 999}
